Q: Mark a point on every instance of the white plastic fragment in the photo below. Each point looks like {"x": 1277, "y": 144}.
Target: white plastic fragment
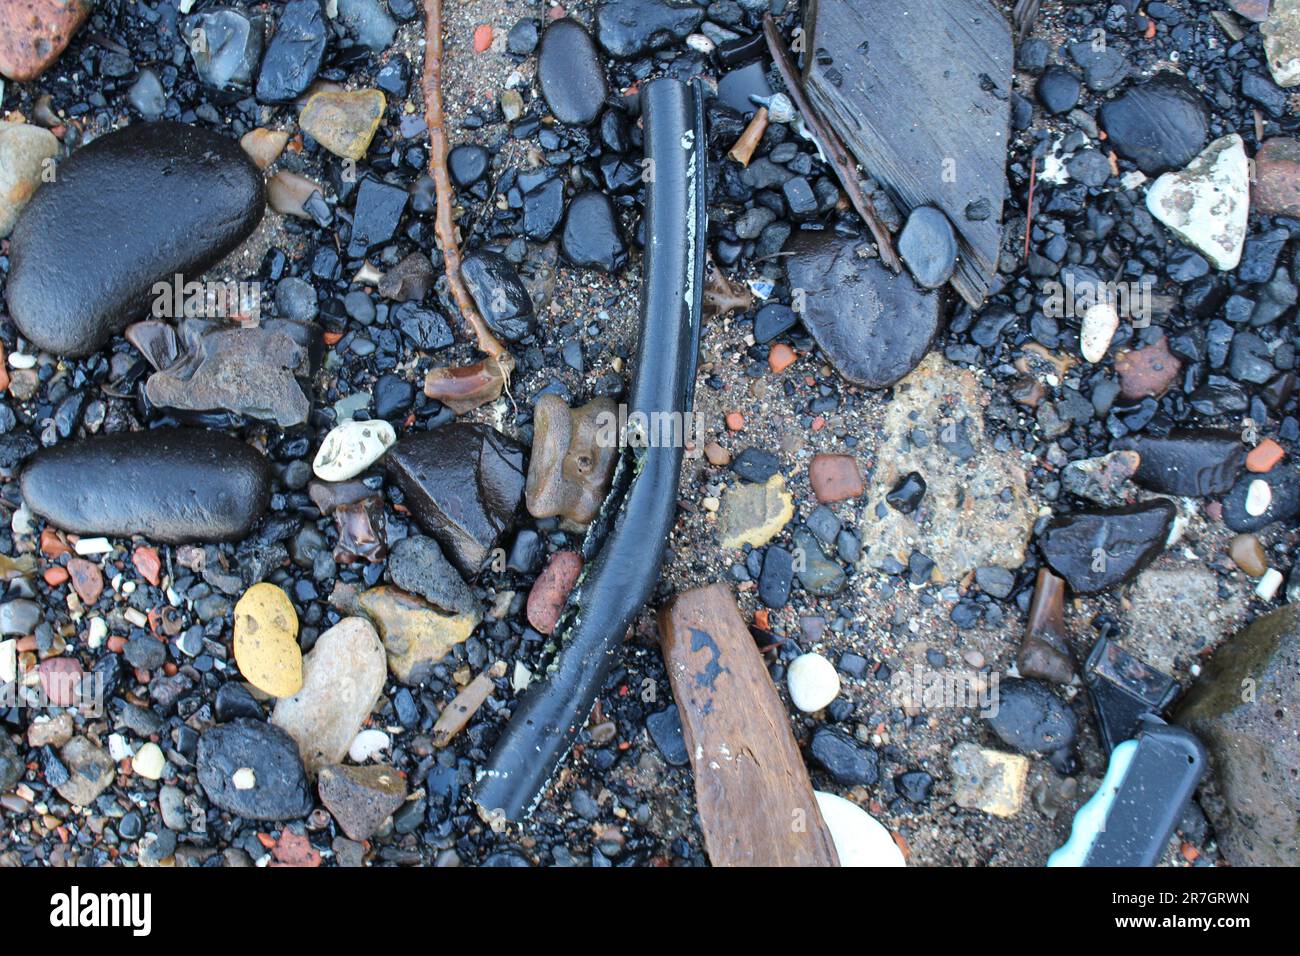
{"x": 92, "y": 546}
{"x": 1269, "y": 584}
{"x": 118, "y": 748}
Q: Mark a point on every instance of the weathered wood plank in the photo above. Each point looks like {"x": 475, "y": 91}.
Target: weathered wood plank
{"x": 920, "y": 90}
{"x": 755, "y": 801}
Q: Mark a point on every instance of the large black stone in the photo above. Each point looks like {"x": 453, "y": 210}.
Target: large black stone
{"x": 279, "y": 790}
{"x": 499, "y": 293}
{"x": 1159, "y": 125}
{"x": 628, "y": 28}
{"x": 294, "y": 55}
{"x": 570, "y": 74}
{"x": 840, "y": 756}
{"x": 873, "y": 325}
{"x": 464, "y": 483}
{"x": 1032, "y": 719}
{"x": 171, "y": 485}
{"x": 133, "y": 208}
{"x": 1284, "y": 483}
{"x": 1096, "y": 550}
{"x": 1190, "y": 464}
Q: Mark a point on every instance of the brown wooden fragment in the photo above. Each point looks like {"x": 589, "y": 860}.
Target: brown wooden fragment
{"x": 755, "y": 801}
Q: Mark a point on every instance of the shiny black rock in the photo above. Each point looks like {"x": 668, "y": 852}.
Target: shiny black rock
{"x": 134, "y": 208}
{"x": 171, "y": 485}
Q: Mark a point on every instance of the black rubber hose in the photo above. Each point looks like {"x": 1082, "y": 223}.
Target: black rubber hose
{"x": 641, "y": 508}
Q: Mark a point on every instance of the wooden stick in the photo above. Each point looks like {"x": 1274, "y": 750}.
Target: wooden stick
{"x": 751, "y": 787}
{"x": 831, "y": 145}
{"x": 444, "y": 226}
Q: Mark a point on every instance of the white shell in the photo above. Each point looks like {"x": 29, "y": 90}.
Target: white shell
{"x": 813, "y": 682}
{"x": 351, "y": 448}
{"x": 1258, "y": 497}
{"x": 859, "y": 838}
{"x": 1099, "y": 325}
{"x": 780, "y": 109}
{"x": 367, "y": 744}
{"x": 149, "y": 762}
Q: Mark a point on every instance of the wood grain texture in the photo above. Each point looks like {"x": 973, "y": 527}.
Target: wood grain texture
{"x": 920, "y": 90}
{"x": 755, "y": 801}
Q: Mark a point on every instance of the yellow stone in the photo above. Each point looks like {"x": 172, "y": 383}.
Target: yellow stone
{"x": 754, "y": 514}
{"x": 343, "y": 122}
{"x": 266, "y": 641}
{"x": 416, "y": 634}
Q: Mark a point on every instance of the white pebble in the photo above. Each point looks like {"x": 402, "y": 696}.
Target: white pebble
{"x": 21, "y": 523}
{"x": 8, "y": 661}
{"x": 91, "y": 546}
{"x": 780, "y": 109}
{"x": 1258, "y": 497}
{"x": 149, "y": 762}
{"x": 22, "y": 360}
{"x": 351, "y": 448}
{"x": 1099, "y": 325}
{"x": 96, "y": 632}
{"x": 367, "y": 744}
{"x": 118, "y": 748}
{"x": 1268, "y": 585}
{"x": 521, "y": 678}
{"x": 244, "y": 778}
{"x": 859, "y": 838}
{"x": 700, "y": 43}
{"x": 135, "y": 616}
{"x": 813, "y": 682}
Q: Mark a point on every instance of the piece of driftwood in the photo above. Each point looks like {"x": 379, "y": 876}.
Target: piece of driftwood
{"x": 751, "y": 787}
{"x": 831, "y": 144}
{"x": 920, "y": 91}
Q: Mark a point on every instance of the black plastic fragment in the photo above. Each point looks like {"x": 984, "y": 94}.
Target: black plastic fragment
{"x": 1123, "y": 690}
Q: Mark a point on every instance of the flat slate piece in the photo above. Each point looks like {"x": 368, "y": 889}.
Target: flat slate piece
{"x": 920, "y": 91}
{"x": 755, "y": 801}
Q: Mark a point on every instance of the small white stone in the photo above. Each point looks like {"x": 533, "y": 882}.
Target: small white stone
{"x": 1268, "y": 585}
{"x": 244, "y": 778}
{"x": 813, "y": 682}
{"x": 21, "y": 523}
{"x": 1099, "y": 325}
{"x": 135, "y": 616}
{"x": 1207, "y": 204}
{"x": 149, "y": 762}
{"x": 22, "y": 360}
{"x": 351, "y": 448}
{"x": 367, "y": 744}
{"x": 92, "y": 546}
{"x": 700, "y": 43}
{"x": 118, "y": 748}
{"x": 1258, "y": 497}
{"x": 96, "y": 632}
{"x": 859, "y": 838}
{"x": 521, "y": 678}
{"x": 8, "y": 661}
{"x": 780, "y": 109}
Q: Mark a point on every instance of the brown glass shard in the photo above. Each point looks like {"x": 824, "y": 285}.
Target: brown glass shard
{"x": 1045, "y": 652}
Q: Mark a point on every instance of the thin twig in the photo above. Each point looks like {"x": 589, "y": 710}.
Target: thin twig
{"x": 444, "y": 226}
{"x": 831, "y": 144}
{"x": 1029, "y": 213}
